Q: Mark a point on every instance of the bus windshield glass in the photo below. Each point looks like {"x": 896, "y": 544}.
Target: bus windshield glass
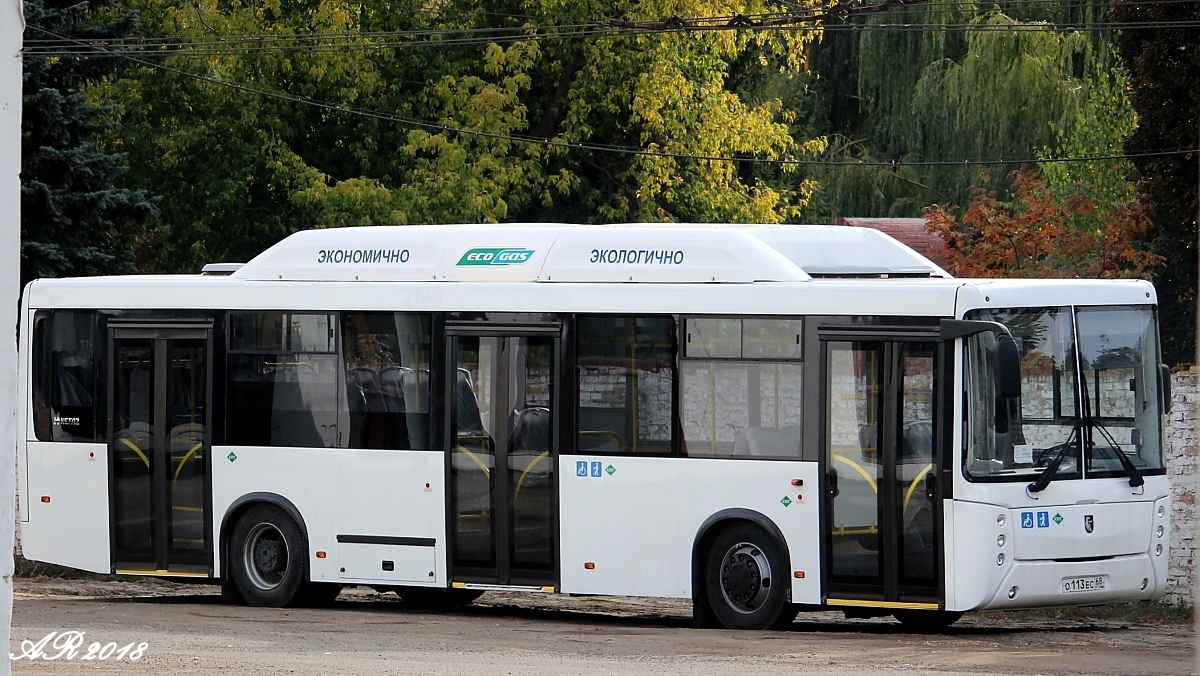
{"x": 1089, "y": 393}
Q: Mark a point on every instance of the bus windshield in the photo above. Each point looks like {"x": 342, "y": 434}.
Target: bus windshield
{"x": 1089, "y": 393}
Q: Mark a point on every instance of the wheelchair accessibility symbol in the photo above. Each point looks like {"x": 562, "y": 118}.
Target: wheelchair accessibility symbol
{"x": 1026, "y": 519}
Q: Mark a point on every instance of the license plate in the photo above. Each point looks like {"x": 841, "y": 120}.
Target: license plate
{"x": 1083, "y": 584}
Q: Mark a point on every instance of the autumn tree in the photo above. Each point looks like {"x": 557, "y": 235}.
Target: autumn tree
{"x": 1039, "y": 234}
{"x": 340, "y": 112}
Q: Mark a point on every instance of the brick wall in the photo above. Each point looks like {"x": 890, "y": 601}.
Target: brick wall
{"x": 1181, "y": 450}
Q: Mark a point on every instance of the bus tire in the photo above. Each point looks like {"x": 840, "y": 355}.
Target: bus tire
{"x": 926, "y": 621}
{"x": 434, "y": 598}
{"x": 745, "y": 578}
{"x": 269, "y": 557}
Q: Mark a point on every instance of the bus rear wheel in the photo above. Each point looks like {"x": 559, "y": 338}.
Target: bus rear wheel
{"x": 926, "y": 621}
{"x": 268, "y": 557}
{"x": 745, "y": 578}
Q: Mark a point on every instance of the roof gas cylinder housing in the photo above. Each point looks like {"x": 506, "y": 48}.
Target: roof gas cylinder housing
{"x": 535, "y": 252}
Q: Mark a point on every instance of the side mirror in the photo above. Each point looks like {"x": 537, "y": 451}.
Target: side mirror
{"x": 1008, "y": 367}
{"x": 1164, "y": 387}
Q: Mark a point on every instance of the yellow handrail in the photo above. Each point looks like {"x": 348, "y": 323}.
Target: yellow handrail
{"x": 135, "y": 449}
{"x": 913, "y": 487}
{"x": 528, "y": 469}
{"x": 486, "y": 472}
{"x": 185, "y": 458}
{"x": 858, "y": 468}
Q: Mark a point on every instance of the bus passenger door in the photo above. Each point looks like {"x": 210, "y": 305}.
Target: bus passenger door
{"x": 159, "y": 438}
{"x": 502, "y": 453}
{"x": 883, "y": 516}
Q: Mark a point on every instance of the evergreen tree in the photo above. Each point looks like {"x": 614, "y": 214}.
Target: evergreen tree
{"x": 71, "y": 213}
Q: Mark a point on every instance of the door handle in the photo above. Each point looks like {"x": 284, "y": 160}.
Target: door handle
{"x": 930, "y": 485}
{"x": 833, "y": 483}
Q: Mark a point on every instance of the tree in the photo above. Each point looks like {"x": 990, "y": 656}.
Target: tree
{"x": 1040, "y": 235}
{"x": 304, "y": 160}
{"x": 71, "y": 213}
{"x": 967, "y": 82}
{"x": 1164, "y": 67}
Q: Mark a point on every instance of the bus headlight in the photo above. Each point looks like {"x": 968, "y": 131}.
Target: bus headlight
{"x": 1158, "y": 531}
{"x": 1162, "y": 509}
{"x": 1000, "y": 540}
{"x": 1158, "y": 550}
{"x": 1000, "y": 520}
{"x": 1000, "y": 560}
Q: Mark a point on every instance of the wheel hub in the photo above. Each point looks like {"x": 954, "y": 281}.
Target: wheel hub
{"x": 265, "y": 556}
{"x": 745, "y": 577}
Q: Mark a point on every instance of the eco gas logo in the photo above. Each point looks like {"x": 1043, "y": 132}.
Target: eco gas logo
{"x": 493, "y": 256}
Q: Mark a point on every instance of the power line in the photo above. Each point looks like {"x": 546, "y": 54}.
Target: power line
{"x": 835, "y": 16}
{"x": 252, "y": 45}
{"x": 623, "y": 150}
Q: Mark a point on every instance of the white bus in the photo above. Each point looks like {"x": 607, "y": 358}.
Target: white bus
{"x": 762, "y": 419}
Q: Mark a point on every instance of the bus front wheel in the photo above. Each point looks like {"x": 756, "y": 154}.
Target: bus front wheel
{"x": 745, "y": 578}
{"x": 268, "y": 557}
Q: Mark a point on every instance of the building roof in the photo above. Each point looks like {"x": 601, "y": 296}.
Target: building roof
{"x": 913, "y": 232}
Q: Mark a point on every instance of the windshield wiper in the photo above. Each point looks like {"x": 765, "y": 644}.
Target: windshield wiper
{"x": 1135, "y": 477}
{"x": 1047, "y": 474}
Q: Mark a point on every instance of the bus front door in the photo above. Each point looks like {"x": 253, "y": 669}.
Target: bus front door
{"x": 502, "y": 452}
{"x": 883, "y": 517}
{"x": 158, "y": 435}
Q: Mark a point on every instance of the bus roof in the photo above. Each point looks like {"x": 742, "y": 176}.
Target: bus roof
{"x": 532, "y": 252}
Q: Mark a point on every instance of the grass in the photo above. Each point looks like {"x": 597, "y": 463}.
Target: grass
{"x": 24, "y": 568}
{"x": 1139, "y": 612}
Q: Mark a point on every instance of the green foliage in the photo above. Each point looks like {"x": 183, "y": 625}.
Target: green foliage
{"x": 1098, "y": 127}
{"x": 238, "y": 169}
{"x": 946, "y": 93}
{"x": 1164, "y": 67}
{"x": 71, "y": 213}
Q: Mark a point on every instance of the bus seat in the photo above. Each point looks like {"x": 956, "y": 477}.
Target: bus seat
{"x": 529, "y": 459}
{"x": 391, "y": 385}
{"x": 917, "y": 443}
{"x": 414, "y": 387}
{"x": 768, "y": 441}
{"x": 467, "y": 418}
{"x": 530, "y": 431}
{"x": 364, "y": 389}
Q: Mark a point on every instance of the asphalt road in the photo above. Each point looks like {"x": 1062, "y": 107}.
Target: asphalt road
{"x": 186, "y": 630}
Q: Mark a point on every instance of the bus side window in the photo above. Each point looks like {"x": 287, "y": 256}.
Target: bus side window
{"x": 39, "y": 367}
{"x": 283, "y": 380}
{"x": 386, "y": 361}
{"x": 65, "y": 374}
{"x": 626, "y": 377}
{"x": 739, "y": 398}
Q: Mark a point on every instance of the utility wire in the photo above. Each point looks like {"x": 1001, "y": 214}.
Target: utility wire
{"x": 835, "y": 16}
{"x": 234, "y": 45}
{"x": 623, "y": 150}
